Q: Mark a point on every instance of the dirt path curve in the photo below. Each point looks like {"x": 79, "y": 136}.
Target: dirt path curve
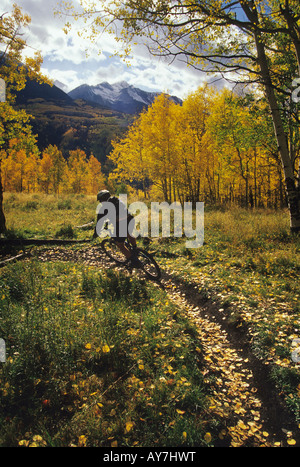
{"x": 244, "y": 391}
{"x": 241, "y": 388}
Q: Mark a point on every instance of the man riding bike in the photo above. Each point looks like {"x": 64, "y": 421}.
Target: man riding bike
{"x": 115, "y": 211}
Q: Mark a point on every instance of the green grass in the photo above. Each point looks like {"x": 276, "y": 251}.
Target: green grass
{"x": 95, "y": 359}
{"x": 103, "y": 359}
{"x": 48, "y": 216}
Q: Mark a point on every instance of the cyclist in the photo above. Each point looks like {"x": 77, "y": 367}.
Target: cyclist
{"x": 121, "y": 218}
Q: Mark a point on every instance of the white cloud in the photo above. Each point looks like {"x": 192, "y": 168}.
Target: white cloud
{"x": 65, "y": 57}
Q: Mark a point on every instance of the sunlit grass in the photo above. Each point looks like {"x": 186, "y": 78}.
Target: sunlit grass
{"x": 95, "y": 359}
{"x": 92, "y": 353}
{"x": 47, "y": 216}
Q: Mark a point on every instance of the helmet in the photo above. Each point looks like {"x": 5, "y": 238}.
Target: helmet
{"x": 103, "y": 195}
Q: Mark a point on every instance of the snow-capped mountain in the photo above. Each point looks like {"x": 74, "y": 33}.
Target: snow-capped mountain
{"x": 121, "y": 96}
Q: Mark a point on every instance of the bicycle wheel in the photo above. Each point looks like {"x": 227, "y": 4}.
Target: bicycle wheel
{"x": 112, "y": 251}
{"x": 149, "y": 265}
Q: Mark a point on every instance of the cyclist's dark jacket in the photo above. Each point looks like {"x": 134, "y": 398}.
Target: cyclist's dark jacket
{"x": 122, "y": 215}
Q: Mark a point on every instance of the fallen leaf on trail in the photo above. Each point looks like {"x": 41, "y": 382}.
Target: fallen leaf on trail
{"x": 128, "y": 427}
{"x": 207, "y": 437}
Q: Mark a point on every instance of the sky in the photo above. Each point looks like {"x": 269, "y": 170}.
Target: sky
{"x": 65, "y": 59}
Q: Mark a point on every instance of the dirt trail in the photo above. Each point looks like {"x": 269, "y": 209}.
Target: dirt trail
{"x": 241, "y": 387}
{"x": 243, "y": 381}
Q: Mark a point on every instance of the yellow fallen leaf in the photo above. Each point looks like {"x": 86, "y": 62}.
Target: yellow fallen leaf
{"x": 128, "y": 427}
{"x": 82, "y": 440}
{"x": 88, "y": 346}
{"x": 38, "y": 439}
{"x": 235, "y": 444}
{"x": 24, "y": 442}
{"x": 291, "y": 442}
{"x": 207, "y": 437}
{"x": 105, "y": 349}
{"x": 242, "y": 425}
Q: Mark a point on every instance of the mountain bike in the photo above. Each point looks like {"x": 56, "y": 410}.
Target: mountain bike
{"x": 145, "y": 260}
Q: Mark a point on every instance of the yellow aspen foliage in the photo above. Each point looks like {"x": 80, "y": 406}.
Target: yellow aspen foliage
{"x": 24, "y": 169}
{"x": 215, "y": 147}
{"x": 95, "y": 178}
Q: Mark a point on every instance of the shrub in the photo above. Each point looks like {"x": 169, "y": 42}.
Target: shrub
{"x": 31, "y": 205}
{"x": 66, "y": 231}
{"x": 64, "y": 204}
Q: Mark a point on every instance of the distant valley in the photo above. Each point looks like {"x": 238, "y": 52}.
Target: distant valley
{"x": 89, "y": 117}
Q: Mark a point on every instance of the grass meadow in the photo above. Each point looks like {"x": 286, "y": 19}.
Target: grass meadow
{"x": 101, "y": 358}
{"x": 42, "y": 216}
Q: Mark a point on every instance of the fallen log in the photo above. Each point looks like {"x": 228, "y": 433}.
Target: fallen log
{"x": 85, "y": 226}
{"x": 12, "y": 259}
{"x": 21, "y": 242}
{"x": 37, "y": 241}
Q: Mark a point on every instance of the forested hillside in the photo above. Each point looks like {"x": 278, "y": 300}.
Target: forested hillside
{"x": 59, "y": 120}
{"x": 217, "y": 147}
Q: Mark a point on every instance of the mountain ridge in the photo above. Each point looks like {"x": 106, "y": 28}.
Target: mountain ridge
{"x": 71, "y": 124}
{"x": 120, "y": 96}
{"x": 35, "y": 90}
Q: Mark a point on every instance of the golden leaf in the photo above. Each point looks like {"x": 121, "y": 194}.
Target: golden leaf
{"x": 291, "y": 442}
{"x": 207, "y": 437}
{"x": 105, "y": 349}
{"x": 128, "y": 427}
